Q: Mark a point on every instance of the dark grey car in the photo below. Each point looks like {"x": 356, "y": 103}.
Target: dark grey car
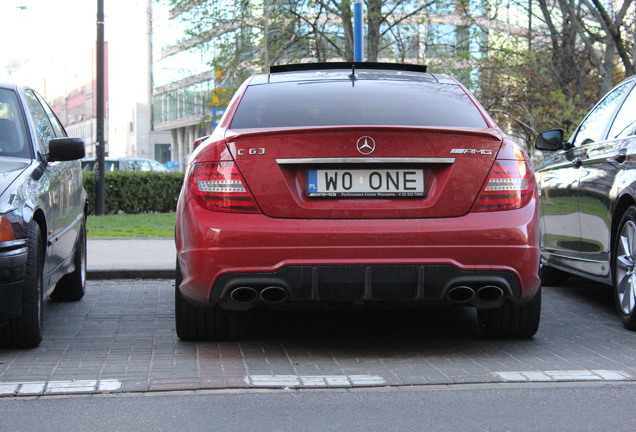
{"x": 42, "y": 214}
{"x": 587, "y": 189}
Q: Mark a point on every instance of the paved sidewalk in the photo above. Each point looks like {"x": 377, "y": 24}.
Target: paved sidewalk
{"x": 121, "y": 338}
{"x": 130, "y": 258}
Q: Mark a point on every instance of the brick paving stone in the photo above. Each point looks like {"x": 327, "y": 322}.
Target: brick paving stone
{"x": 173, "y": 384}
{"x": 212, "y": 382}
{"x": 124, "y": 331}
{"x": 233, "y": 381}
{"x": 134, "y": 386}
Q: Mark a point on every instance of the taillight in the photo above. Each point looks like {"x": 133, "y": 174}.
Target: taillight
{"x": 510, "y": 186}
{"x": 218, "y": 186}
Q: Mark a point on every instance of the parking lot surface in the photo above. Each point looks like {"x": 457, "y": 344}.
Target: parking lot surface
{"x": 121, "y": 338}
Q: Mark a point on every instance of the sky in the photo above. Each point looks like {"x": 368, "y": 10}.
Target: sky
{"x": 58, "y": 38}
{"x": 35, "y": 28}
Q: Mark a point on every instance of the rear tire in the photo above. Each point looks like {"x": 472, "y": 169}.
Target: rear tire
{"x": 72, "y": 286}
{"x": 512, "y": 321}
{"x": 25, "y": 331}
{"x": 195, "y": 323}
{"x": 624, "y": 264}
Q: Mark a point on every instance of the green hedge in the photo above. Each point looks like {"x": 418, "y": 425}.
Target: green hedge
{"x": 136, "y": 192}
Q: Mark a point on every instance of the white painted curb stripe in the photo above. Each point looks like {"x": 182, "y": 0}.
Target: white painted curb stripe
{"x": 58, "y": 387}
{"x": 313, "y": 380}
{"x": 572, "y": 375}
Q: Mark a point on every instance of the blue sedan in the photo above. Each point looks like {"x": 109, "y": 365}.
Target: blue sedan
{"x": 42, "y": 214}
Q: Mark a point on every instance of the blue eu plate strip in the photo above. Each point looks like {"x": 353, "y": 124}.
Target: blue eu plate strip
{"x": 312, "y": 181}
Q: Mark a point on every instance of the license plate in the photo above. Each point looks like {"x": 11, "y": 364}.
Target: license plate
{"x": 365, "y": 183}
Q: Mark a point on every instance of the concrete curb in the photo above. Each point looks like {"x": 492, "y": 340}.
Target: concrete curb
{"x": 129, "y": 274}
{"x": 131, "y": 258}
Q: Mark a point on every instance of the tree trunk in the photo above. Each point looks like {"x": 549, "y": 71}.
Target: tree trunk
{"x": 374, "y": 20}
{"x": 347, "y": 24}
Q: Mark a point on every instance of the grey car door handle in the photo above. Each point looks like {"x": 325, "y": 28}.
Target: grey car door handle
{"x": 620, "y": 157}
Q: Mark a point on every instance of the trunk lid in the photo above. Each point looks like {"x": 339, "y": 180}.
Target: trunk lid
{"x": 450, "y": 165}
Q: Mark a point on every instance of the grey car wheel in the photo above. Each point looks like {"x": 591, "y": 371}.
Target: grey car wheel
{"x": 25, "y": 331}
{"x": 624, "y": 266}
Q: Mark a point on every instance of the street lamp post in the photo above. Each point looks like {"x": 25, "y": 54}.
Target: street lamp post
{"x": 99, "y": 112}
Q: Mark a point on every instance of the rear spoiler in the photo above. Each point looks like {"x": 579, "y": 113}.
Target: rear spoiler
{"x": 347, "y": 65}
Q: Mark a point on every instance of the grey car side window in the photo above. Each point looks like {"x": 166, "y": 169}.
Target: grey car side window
{"x": 55, "y": 122}
{"x": 594, "y": 126}
{"x": 625, "y": 123}
{"x": 43, "y": 127}
{"x": 13, "y": 140}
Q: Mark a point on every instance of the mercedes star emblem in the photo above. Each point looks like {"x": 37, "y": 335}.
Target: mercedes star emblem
{"x": 366, "y": 145}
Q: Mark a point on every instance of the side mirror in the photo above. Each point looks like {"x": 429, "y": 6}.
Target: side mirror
{"x": 550, "y": 140}
{"x": 66, "y": 149}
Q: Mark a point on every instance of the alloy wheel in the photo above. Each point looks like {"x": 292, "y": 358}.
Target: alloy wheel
{"x": 625, "y": 263}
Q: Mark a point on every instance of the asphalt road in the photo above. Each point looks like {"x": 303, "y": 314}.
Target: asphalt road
{"x": 492, "y": 407}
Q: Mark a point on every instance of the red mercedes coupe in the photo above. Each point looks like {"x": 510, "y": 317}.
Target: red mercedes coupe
{"x": 357, "y": 183}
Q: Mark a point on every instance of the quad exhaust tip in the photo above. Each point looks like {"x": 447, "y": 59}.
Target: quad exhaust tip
{"x": 490, "y": 293}
{"x": 484, "y": 296}
{"x": 461, "y": 294}
{"x": 273, "y": 294}
{"x": 244, "y": 294}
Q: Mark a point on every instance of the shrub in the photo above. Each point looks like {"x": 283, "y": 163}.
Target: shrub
{"x": 136, "y": 192}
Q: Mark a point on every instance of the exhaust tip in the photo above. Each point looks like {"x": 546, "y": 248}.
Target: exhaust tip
{"x": 461, "y": 294}
{"x": 490, "y": 293}
{"x": 274, "y": 294}
{"x": 244, "y": 294}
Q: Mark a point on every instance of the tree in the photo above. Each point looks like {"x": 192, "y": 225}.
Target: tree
{"x": 573, "y": 52}
{"x": 259, "y": 34}
{"x": 586, "y": 39}
{"x": 531, "y": 76}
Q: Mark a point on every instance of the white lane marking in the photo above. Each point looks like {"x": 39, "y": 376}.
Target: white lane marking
{"x": 571, "y": 375}
{"x": 313, "y": 380}
{"x": 58, "y": 387}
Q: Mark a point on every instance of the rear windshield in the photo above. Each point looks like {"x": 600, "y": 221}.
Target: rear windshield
{"x": 365, "y": 103}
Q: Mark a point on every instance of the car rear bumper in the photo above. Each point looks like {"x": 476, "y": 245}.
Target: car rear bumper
{"x": 394, "y": 260}
{"x": 12, "y": 266}
{"x": 430, "y": 283}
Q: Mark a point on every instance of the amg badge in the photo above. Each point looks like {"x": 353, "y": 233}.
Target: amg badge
{"x": 471, "y": 151}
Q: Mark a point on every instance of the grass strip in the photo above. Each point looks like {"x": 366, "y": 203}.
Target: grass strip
{"x": 131, "y": 225}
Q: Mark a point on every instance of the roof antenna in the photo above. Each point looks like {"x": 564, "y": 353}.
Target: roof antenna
{"x": 353, "y": 75}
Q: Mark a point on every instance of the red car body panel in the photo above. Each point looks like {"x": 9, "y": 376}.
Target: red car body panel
{"x": 212, "y": 244}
